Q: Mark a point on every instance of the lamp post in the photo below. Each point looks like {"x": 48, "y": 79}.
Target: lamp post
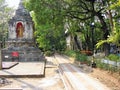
{"x": 92, "y": 32}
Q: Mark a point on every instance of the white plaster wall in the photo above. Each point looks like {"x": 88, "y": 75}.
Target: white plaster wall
{"x": 12, "y": 33}
{"x": 68, "y": 39}
{"x": 28, "y": 31}
{"x": 31, "y": 32}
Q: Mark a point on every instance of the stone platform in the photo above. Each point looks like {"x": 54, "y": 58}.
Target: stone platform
{"x": 24, "y": 69}
{"x": 26, "y": 54}
{"x": 8, "y": 65}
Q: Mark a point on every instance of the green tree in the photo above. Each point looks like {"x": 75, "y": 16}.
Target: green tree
{"x": 115, "y": 33}
{"x": 85, "y": 10}
{"x": 54, "y": 14}
{"x": 48, "y": 23}
{"x": 5, "y": 14}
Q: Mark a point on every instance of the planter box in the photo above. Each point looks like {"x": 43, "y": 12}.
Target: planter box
{"x": 87, "y": 52}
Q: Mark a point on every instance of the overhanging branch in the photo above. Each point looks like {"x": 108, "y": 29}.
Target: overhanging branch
{"x": 75, "y": 17}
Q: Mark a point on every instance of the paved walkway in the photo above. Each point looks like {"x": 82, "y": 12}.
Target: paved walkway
{"x": 25, "y": 69}
{"x": 75, "y": 79}
{"x": 72, "y": 76}
{"x": 51, "y": 81}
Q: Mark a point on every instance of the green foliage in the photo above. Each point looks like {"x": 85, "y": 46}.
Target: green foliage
{"x": 100, "y": 43}
{"x": 81, "y": 57}
{"x": 106, "y": 66}
{"x": 5, "y": 14}
{"x": 52, "y": 15}
{"x": 77, "y": 55}
{"x": 113, "y": 38}
{"x": 70, "y": 53}
{"x": 49, "y": 25}
{"x": 115, "y": 5}
{"x": 113, "y": 57}
{"x": 49, "y": 53}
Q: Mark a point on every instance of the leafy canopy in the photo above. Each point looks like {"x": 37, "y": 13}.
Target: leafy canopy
{"x": 49, "y": 26}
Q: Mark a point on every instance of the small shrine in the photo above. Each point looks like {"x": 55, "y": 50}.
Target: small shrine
{"x": 21, "y": 39}
{"x": 21, "y": 29}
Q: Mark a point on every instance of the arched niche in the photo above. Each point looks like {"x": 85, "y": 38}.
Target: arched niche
{"x": 19, "y": 30}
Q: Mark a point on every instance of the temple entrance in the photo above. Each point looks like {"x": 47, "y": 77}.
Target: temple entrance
{"x": 19, "y": 30}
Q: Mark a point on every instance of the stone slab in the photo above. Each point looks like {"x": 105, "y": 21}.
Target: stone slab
{"x": 25, "y": 69}
{"x": 8, "y": 65}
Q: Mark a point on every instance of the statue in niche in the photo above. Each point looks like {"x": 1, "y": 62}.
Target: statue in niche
{"x": 19, "y": 30}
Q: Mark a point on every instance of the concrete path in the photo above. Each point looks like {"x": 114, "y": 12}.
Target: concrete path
{"x": 24, "y": 69}
{"x": 51, "y": 81}
{"x": 75, "y": 79}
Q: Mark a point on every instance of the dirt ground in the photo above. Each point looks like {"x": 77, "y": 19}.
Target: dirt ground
{"x": 110, "y": 80}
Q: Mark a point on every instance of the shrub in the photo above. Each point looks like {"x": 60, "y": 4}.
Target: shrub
{"x": 113, "y": 57}
{"x": 81, "y": 57}
{"x": 78, "y": 56}
{"x": 70, "y": 53}
{"x": 48, "y": 53}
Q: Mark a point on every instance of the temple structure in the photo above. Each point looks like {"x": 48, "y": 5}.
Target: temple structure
{"x": 21, "y": 29}
{"x": 21, "y": 39}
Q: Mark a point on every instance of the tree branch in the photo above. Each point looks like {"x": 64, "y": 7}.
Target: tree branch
{"x": 76, "y": 17}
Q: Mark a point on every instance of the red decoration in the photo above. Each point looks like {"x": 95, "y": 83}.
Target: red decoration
{"x": 15, "y": 54}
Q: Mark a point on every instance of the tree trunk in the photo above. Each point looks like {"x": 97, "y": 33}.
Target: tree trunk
{"x": 76, "y": 42}
{"x": 72, "y": 42}
{"x": 111, "y": 19}
{"x": 106, "y": 32}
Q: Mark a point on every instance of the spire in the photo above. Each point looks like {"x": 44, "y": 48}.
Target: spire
{"x": 21, "y": 1}
{"x": 20, "y": 4}
{"x": 22, "y": 13}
